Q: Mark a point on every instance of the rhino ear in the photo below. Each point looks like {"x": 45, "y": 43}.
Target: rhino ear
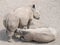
{"x": 33, "y": 6}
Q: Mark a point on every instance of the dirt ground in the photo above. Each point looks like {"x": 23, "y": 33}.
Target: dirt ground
{"x": 49, "y": 16}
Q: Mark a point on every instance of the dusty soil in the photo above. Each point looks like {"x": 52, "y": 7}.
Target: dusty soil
{"x": 50, "y": 17}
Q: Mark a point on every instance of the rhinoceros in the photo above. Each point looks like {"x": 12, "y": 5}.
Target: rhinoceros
{"x": 19, "y": 18}
{"x": 44, "y": 35}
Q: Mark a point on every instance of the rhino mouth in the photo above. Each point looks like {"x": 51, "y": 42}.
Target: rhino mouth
{"x": 37, "y": 18}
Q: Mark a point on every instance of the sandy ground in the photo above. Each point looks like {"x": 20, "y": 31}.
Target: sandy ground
{"x": 49, "y": 11}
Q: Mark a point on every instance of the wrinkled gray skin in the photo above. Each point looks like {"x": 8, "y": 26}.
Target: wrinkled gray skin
{"x": 19, "y": 18}
{"x": 44, "y": 35}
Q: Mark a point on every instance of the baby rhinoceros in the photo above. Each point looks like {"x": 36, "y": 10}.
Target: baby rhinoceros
{"x": 43, "y": 35}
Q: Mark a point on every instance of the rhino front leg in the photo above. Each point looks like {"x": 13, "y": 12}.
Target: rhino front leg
{"x": 29, "y": 23}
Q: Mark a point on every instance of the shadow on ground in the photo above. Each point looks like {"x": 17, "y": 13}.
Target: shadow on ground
{"x": 3, "y": 36}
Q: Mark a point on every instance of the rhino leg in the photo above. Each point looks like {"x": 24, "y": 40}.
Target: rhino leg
{"x": 11, "y": 31}
{"x": 10, "y": 35}
{"x": 29, "y": 22}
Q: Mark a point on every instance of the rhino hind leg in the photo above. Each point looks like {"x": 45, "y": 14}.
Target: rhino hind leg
{"x": 10, "y": 36}
{"x": 10, "y": 32}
